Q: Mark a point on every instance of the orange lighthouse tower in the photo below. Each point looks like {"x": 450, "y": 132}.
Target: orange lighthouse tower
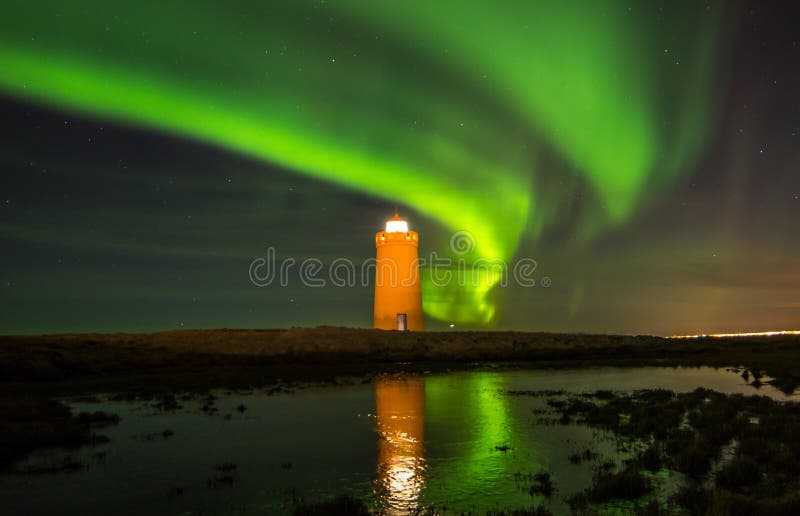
{"x": 398, "y": 300}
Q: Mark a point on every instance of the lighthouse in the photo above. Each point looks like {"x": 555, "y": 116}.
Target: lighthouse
{"x": 398, "y": 300}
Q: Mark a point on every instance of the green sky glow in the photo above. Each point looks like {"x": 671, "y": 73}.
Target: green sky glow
{"x": 445, "y": 107}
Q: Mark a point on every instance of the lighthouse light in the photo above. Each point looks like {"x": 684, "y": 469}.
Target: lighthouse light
{"x": 397, "y": 226}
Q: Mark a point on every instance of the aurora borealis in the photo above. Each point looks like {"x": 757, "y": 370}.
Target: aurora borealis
{"x": 629, "y": 148}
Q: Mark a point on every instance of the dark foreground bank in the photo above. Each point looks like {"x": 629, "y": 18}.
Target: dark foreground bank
{"x": 71, "y": 356}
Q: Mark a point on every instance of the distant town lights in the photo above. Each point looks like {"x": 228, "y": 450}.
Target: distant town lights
{"x": 746, "y": 334}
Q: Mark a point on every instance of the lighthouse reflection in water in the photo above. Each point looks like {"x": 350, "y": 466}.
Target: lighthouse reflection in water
{"x": 400, "y": 414}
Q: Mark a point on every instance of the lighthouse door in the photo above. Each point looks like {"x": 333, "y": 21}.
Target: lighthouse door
{"x": 402, "y": 322}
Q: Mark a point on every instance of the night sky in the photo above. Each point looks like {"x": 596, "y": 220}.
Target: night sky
{"x": 644, "y": 154}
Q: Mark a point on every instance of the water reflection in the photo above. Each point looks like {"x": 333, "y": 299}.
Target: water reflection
{"x": 400, "y": 414}
{"x": 456, "y": 440}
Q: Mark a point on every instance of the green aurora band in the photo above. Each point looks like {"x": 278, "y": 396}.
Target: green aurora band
{"x": 455, "y": 109}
